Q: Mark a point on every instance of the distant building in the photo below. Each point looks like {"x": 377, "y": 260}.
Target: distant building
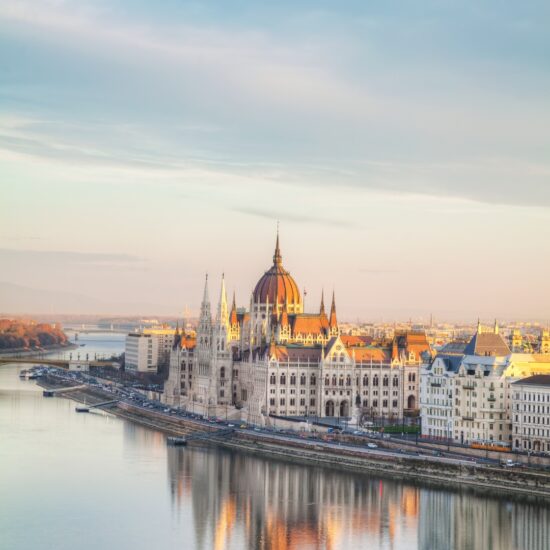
{"x": 531, "y": 413}
{"x": 141, "y": 352}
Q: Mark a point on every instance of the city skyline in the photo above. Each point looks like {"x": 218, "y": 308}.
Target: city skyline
{"x": 142, "y": 148}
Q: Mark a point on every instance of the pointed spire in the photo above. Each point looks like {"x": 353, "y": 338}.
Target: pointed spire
{"x": 223, "y": 314}
{"x": 496, "y": 327}
{"x": 277, "y": 258}
{"x": 205, "y": 297}
{"x": 322, "y": 308}
{"x": 333, "y": 323}
{"x": 479, "y": 329}
{"x": 233, "y": 319}
{"x": 177, "y": 328}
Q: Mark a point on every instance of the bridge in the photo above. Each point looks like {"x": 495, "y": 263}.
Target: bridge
{"x": 87, "y": 408}
{"x": 61, "y": 363}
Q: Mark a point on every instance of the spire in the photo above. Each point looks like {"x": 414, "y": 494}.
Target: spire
{"x": 277, "y": 258}
{"x": 478, "y": 326}
{"x": 205, "y": 297}
{"x": 223, "y": 314}
{"x": 233, "y": 320}
{"x": 322, "y": 308}
{"x": 333, "y": 323}
{"x": 496, "y": 327}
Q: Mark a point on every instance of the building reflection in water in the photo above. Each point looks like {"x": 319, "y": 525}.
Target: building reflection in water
{"x": 239, "y": 501}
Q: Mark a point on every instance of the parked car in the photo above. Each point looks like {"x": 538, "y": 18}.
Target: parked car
{"x": 372, "y": 445}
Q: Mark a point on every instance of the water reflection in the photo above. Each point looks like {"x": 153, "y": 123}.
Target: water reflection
{"x": 276, "y": 506}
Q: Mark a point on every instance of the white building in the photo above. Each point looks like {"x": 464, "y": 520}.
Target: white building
{"x": 141, "y": 352}
{"x": 531, "y": 413}
{"x": 466, "y": 396}
{"x": 165, "y": 339}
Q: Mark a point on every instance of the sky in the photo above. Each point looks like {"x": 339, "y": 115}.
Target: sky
{"x": 403, "y": 146}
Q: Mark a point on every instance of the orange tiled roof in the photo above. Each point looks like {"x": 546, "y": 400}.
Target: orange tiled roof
{"x": 349, "y": 340}
{"x": 306, "y": 323}
{"x": 367, "y": 354}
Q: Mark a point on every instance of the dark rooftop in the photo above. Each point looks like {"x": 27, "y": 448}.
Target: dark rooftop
{"x": 536, "y": 380}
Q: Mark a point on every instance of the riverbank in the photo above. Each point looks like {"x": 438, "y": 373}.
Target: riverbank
{"x": 440, "y": 472}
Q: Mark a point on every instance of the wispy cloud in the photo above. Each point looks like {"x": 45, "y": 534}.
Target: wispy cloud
{"x": 293, "y": 217}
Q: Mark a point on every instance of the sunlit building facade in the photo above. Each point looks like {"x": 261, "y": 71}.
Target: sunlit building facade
{"x": 275, "y": 359}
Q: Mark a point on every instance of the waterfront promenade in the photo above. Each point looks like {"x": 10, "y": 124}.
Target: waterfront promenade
{"x": 346, "y": 453}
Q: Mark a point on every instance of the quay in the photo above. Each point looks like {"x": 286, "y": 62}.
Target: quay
{"x": 453, "y": 472}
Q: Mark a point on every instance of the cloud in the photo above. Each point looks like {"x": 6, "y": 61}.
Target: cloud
{"x": 307, "y": 108}
{"x": 291, "y": 217}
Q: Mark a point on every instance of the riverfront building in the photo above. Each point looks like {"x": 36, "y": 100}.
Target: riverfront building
{"x": 531, "y": 413}
{"x": 141, "y": 353}
{"x": 275, "y": 359}
{"x": 465, "y": 395}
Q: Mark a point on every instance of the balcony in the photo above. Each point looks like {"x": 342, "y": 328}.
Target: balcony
{"x": 468, "y": 418}
{"x": 469, "y": 386}
{"x": 492, "y": 399}
{"x": 435, "y": 384}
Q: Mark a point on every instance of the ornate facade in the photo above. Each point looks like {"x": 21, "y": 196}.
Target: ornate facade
{"x": 275, "y": 359}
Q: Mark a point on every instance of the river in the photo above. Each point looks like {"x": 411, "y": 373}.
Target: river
{"x": 93, "y": 481}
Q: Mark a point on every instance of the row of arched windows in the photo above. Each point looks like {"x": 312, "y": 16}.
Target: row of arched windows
{"x": 282, "y": 379}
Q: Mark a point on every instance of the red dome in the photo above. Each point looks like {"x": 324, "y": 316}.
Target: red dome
{"x": 276, "y": 285}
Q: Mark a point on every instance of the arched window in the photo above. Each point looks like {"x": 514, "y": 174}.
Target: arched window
{"x": 334, "y": 382}
{"x": 283, "y": 379}
{"x": 375, "y": 380}
{"x": 341, "y": 380}
{"x": 292, "y": 379}
{"x": 303, "y": 380}
{"x": 327, "y": 381}
{"x": 313, "y": 380}
{"x": 395, "y": 381}
{"x": 365, "y": 380}
{"x": 222, "y": 372}
{"x": 386, "y": 380}
{"x": 348, "y": 380}
{"x": 272, "y": 379}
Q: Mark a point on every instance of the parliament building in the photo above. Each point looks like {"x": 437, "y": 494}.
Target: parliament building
{"x": 273, "y": 359}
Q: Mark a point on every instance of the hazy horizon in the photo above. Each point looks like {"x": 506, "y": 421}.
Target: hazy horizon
{"x": 404, "y": 150}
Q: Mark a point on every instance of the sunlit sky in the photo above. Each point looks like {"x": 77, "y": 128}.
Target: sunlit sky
{"x": 404, "y": 147}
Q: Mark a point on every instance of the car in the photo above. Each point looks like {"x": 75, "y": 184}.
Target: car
{"x": 372, "y": 445}
{"x": 243, "y": 426}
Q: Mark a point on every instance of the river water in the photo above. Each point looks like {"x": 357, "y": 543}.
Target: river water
{"x": 92, "y": 481}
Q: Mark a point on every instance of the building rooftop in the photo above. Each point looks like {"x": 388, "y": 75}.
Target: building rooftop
{"x": 536, "y": 380}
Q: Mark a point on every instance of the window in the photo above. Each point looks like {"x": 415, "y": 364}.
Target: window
{"x": 272, "y": 401}
{"x": 365, "y": 380}
{"x": 375, "y": 380}
{"x": 283, "y": 379}
{"x": 385, "y": 381}
{"x": 395, "y": 381}
{"x": 312, "y": 402}
{"x": 293, "y": 379}
{"x": 222, "y": 372}
{"x": 272, "y": 379}
{"x": 303, "y": 380}
{"x": 282, "y": 401}
{"x": 313, "y": 380}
